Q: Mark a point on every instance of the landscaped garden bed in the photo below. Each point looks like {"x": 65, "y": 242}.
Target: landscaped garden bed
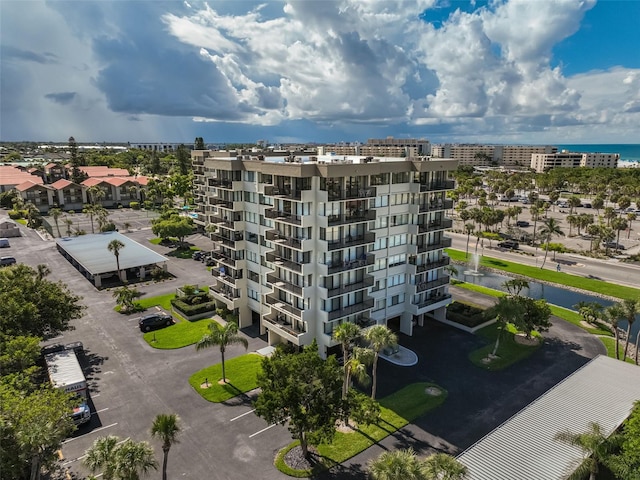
{"x": 509, "y": 350}
{"x": 241, "y": 375}
{"x": 465, "y": 314}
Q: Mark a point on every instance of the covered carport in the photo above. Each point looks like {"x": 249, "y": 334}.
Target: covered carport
{"x": 91, "y": 256}
{"x": 524, "y": 447}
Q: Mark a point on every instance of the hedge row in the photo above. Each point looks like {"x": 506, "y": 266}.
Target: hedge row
{"x": 190, "y": 310}
{"x": 465, "y": 314}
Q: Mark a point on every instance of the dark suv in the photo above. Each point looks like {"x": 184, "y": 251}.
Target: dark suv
{"x": 154, "y": 320}
{"x": 509, "y": 244}
{"x": 522, "y": 223}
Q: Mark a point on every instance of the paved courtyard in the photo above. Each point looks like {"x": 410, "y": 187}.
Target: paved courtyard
{"x": 132, "y": 382}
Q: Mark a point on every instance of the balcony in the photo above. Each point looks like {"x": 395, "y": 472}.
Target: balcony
{"x": 227, "y": 241}
{"x": 284, "y": 192}
{"x": 336, "y": 194}
{"x": 443, "y": 185}
{"x": 351, "y": 309}
{"x": 430, "y": 265}
{"x": 337, "y": 267}
{"x": 225, "y": 277}
{"x": 283, "y": 307}
{"x": 355, "y": 217}
{"x": 282, "y": 216}
{"x": 223, "y": 257}
{"x": 284, "y": 285}
{"x": 221, "y": 183}
{"x": 284, "y": 240}
{"x": 223, "y": 222}
{"x": 353, "y": 287}
{"x": 436, "y": 299}
{"x": 219, "y": 202}
{"x": 444, "y": 243}
{"x": 284, "y": 328}
{"x": 284, "y": 262}
{"x": 351, "y": 241}
{"x": 431, "y": 226}
{"x": 226, "y": 294}
{"x": 424, "y": 286}
{"x": 363, "y": 321}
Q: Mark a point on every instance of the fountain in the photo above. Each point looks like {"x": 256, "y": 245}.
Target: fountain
{"x": 475, "y": 259}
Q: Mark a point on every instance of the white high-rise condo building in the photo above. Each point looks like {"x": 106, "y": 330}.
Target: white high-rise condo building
{"x": 564, "y": 159}
{"x": 303, "y": 244}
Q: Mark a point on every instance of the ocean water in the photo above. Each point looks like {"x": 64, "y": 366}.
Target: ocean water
{"x": 628, "y": 152}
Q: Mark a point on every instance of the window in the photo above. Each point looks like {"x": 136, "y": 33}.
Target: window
{"x": 401, "y": 177}
{"x": 396, "y": 299}
{"x": 381, "y": 222}
{"x": 380, "y": 304}
{"x": 396, "y": 240}
{"x": 249, "y": 176}
{"x": 396, "y": 280}
{"x": 253, "y": 294}
{"x": 252, "y": 256}
{"x": 380, "y": 243}
{"x": 379, "y": 265}
{"x": 396, "y": 260}
{"x": 382, "y": 201}
{"x": 379, "y": 285}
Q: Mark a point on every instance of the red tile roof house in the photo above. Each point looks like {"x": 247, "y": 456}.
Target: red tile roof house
{"x": 54, "y": 172}
{"x": 11, "y": 177}
{"x": 118, "y": 190}
{"x": 40, "y": 195}
{"x": 69, "y": 195}
{"x": 102, "y": 171}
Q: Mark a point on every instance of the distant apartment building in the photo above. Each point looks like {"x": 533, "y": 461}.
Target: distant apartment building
{"x": 381, "y": 147}
{"x": 486, "y": 155}
{"x": 157, "y": 147}
{"x": 544, "y": 162}
{"x": 304, "y": 243}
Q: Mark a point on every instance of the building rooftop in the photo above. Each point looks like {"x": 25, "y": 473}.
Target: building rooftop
{"x": 603, "y": 391}
{"x": 91, "y": 252}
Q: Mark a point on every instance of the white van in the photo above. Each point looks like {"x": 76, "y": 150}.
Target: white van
{"x": 4, "y": 243}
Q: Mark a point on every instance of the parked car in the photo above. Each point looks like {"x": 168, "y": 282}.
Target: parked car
{"x": 197, "y": 255}
{"x": 6, "y": 261}
{"x": 587, "y": 205}
{"x": 522, "y": 223}
{"x": 4, "y": 243}
{"x": 509, "y": 244}
{"x": 210, "y": 262}
{"x": 155, "y": 320}
{"x": 614, "y": 245}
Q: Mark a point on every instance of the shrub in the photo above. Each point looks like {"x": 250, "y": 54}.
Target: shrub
{"x": 158, "y": 273}
{"x": 189, "y": 310}
{"x": 465, "y": 314}
{"x": 14, "y": 214}
{"x": 108, "y": 227}
{"x": 148, "y": 204}
{"x": 134, "y": 205}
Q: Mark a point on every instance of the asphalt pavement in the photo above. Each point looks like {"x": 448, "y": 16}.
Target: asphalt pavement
{"x": 132, "y": 382}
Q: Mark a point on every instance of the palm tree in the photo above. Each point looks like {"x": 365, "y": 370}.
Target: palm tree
{"x": 55, "y": 214}
{"x": 468, "y": 228}
{"x": 133, "y": 459}
{"x": 591, "y": 312}
{"x": 346, "y": 333}
{"x": 595, "y": 446}
{"x": 32, "y": 213}
{"x": 91, "y": 211}
{"x": 222, "y": 337}
{"x": 166, "y": 427}
{"x": 515, "y": 286}
{"x": 379, "y": 337}
{"x": 101, "y": 456}
{"x": 96, "y": 194}
{"x": 441, "y": 466}
{"x": 505, "y": 310}
{"x": 69, "y": 223}
{"x": 630, "y": 308}
{"x": 397, "y": 465}
{"x": 125, "y": 296}
{"x": 356, "y": 366}
{"x": 114, "y": 247}
{"x": 612, "y": 316}
{"x": 551, "y": 227}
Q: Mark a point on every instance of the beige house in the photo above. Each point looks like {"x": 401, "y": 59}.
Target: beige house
{"x": 69, "y": 195}
{"x": 40, "y": 195}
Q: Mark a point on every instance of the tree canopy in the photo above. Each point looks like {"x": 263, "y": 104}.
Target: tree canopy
{"x": 32, "y": 305}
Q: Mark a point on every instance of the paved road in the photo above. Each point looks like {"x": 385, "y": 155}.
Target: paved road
{"x": 132, "y": 382}
{"x": 611, "y": 270}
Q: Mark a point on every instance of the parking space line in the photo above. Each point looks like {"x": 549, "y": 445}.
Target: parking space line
{"x": 68, "y": 440}
{"x": 99, "y": 411}
{"x": 240, "y": 416}
{"x": 263, "y": 430}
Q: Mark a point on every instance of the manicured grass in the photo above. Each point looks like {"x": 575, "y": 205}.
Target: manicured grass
{"x": 21, "y": 221}
{"x": 509, "y": 352}
{"x": 480, "y": 289}
{"x": 155, "y": 241}
{"x": 610, "y": 345}
{"x": 163, "y": 301}
{"x": 241, "y": 372}
{"x": 396, "y": 411}
{"x": 181, "y": 334}
{"x": 589, "y": 284}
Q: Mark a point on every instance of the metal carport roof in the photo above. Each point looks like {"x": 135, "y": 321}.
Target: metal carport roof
{"x": 91, "y": 252}
{"x": 524, "y": 448}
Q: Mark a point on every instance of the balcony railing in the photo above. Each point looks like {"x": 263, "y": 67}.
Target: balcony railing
{"x": 431, "y": 265}
{"x": 282, "y": 323}
{"x": 283, "y": 306}
{"x": 423, "y": 286}
{"x": 284, "y": 262}
{"x": 365, "y": 283}
{"x": 351, "y": 309}
{"x": 283, "y": 216}
{"x": 281, "y": 239}
{"x": 225, "y": 291}
{"x": 283, "y": 284}
{"x": 223, "y": 257}
{"x": 337, "y": 267}
{"x": 444, "y": 243}
{"x": 443, "y": 185}
{"x": 288, "y": 192}
{"x": 335, "y": 194}
{"x": 357, "y": 216}
{"x": 221, "y": 183}
{"x": 431, "y": 301}
{"x": 431, "y": 226}
{"x": 225, "y": 277}
{"x": 218, "y": 202}
{"x": 351, "y": 241}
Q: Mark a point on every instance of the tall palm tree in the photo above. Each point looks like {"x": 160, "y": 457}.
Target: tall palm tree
{"x": 379, "y": 337}
{"x": 612, "y": 316}
{"x": 69, "y": 223}
{"x": 515, "y": 286}
{"x": 222, "y": 336}
{"x": 596, "y": 448}
{"x": 101, "y": 456}
{"x": 551, "y": 227}
{"x": 166, "y": 427}
{"x": 441, "y": 466}
{"x": 114, "y": 247}
{"x": 591, "y": 312}
{"x": 630, "y": 308}
{"x": 505, "y": 310}
{"x": 356, "y": 366}
{"x": 55, "y": 214}
{"x": 397, "y": 465}
{"x": 346, "y": 333}
{"x": 134, "y": 459}
{"x": 96, "y": 194}
{"x": 468, "y": 228}
{"x": 91, "y": 211}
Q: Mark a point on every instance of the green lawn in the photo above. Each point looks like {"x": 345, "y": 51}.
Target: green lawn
{"x": 241, "y": 372}
{"x": 396, "y": 411}
{"x": 509, "y": 352}
{"x": 589, "y": 284}
{"x": 610, "y": 344}
{"x": 181, "y": 334}
{"x": 163, "y": 301}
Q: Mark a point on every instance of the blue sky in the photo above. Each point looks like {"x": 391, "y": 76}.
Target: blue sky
{"x": 498, "y": 71}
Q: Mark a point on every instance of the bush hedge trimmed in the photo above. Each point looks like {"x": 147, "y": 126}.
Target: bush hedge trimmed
{"x": 14, "y": 214}
{"x": 185, "y": 305}
{"x": 465, "y": 314}
{"x": 134, "y": 205}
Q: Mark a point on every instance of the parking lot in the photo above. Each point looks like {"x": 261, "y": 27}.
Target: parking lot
{"x": 131, "y": 382}
{"x": 124, "y": 219}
